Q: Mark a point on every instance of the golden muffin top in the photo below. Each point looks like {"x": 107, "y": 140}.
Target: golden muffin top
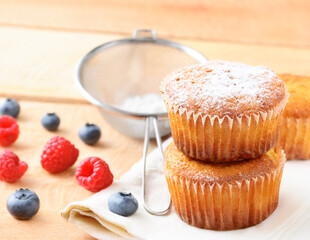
{"x": 177, "y": 163}
{"x": 298, "y": 105}
{"x": 224, "y": 88}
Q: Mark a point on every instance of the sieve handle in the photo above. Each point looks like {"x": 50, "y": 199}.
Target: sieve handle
{"x": 145, "y": 148}
{"x": 145, "y": 34}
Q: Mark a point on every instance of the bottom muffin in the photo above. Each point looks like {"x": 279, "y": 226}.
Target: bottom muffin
{"x": 223, "y": 196}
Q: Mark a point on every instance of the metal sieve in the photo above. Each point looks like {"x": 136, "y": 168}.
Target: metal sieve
{"x": 117, "y": 70}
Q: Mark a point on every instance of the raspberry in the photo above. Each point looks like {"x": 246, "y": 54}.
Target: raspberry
{"x": 11, "y": 168}
{"x": 9, "y": 130}
{"x": 58, "y": 155}
{"x": 94, "y": 174}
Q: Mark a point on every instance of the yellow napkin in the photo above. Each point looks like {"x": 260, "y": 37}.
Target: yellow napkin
{"x": 291, "y": 220}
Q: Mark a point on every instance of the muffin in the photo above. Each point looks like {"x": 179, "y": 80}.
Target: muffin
{"x": 295, "y": 129}
{"x": 223, "y": 196}
{"x": 224, "y": 111}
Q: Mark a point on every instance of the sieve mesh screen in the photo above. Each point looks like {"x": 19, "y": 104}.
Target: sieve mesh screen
{"x": 126, "y": 70}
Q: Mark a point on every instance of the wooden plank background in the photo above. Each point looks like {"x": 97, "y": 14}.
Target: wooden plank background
{"x": 276, "y": 22}
{"x": 41, "y": 41}
{"x": 39, "y": 64}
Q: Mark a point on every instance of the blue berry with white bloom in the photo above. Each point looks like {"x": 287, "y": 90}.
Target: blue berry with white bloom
{"x": 122, "y": 203}
{"x": 23, "y": 204}
{"x": 10, "y": 107}
{"x": 50, "y": 121}
{"x": 90, "y": 133}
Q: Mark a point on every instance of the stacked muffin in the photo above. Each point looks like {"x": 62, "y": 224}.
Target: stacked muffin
{"x": 225, "y": 117}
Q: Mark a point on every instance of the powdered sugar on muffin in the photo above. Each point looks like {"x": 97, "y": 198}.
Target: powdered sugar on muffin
{"x": 224, "y": 88}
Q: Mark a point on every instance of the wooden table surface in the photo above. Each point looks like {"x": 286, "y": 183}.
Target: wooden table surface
{"x": 41, "y": 41}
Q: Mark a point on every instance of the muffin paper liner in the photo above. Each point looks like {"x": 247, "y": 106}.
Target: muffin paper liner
{"x": 211, "y": 138}
{"x": 227, "y": 206}
{"x": 295, "y": 138}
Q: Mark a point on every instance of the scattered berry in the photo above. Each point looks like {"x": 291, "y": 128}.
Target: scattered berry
{"x": 10, "y": 107}
{"x": 58, "y": 155}
{"x": 50, "y": 121}
{"x": 94, "y": 174}
{"x": 11, "y": 168}
{"x": 23, "y": 204}
{"x": 9, "y": 130}
{"x": 124, "y": 204}
{"x": 90, "y": 133}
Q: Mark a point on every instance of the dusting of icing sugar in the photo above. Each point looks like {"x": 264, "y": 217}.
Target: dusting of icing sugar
{"x": 225, "y": 87}
{"x": 148, "y": 103}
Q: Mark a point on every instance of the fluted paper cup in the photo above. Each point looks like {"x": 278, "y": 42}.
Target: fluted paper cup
{"x": 226, "y": 139}
{"x": 227, "y": 206}
{"x": 295, "y": 138}
{"x": 224, "y": 196}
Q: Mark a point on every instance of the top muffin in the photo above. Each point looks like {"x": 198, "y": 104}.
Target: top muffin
{"x": 224, "y": 111}
{"x": 224, "y": 89}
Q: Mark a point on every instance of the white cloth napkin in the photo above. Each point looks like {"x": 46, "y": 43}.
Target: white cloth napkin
{"x": 291, "y": 220}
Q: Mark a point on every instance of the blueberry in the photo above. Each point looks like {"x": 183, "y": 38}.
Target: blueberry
{"x": 90, "y": 133}
{"x": 10, "y": 107}
{"x": 50, "y": 121}
{"x": 124, "y": 204}
{"x": 23, "y": 204}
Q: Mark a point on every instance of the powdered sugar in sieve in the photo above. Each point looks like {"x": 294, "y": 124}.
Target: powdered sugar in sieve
{"x": 148, "y": 103}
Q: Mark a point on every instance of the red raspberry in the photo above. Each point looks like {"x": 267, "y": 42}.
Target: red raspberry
{"x": 11, "y": 169}
{"x": 58, "y": 155}
{"x": 94, "y": 174}
{"x": 9, "y": 130}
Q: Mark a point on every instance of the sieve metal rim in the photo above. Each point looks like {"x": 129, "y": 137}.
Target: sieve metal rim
{"x": 135, "y": 39}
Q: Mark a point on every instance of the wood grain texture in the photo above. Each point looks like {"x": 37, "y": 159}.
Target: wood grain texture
{"x": 58, "y": 190}
{"x": 283, "y": 22}
{"x": 39, "y": 64}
